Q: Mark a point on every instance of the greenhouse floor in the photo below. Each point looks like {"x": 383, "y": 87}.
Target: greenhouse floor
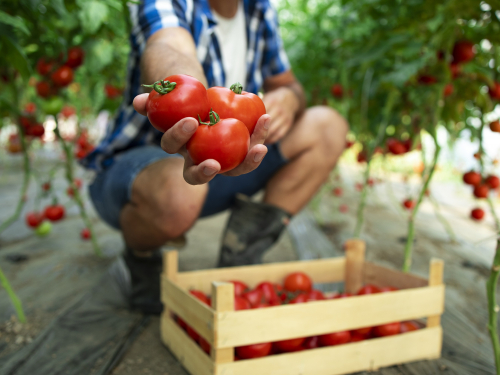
{"x": 52, "y": 273}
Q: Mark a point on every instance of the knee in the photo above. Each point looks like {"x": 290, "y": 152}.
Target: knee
{"x": 331, "y": 130}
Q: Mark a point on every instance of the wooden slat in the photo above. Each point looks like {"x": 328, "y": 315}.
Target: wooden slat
{"x": 321, "y": 270}
{"x": 222, "y": 301}
{"x": 435, "y": 278}
{"x": 189, "y": 354}
{"x": 355, "y": 258}
{"x": 195, "y": 313}
{"x": 309, "y": 319}
{"x": 171, "y": 264}
{"x": 383, "y": 276}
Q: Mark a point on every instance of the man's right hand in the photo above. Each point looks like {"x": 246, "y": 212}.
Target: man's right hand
{"x": 174, "y": 142}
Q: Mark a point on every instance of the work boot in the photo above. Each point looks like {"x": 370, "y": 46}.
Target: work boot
{"x": 250, "y": 231}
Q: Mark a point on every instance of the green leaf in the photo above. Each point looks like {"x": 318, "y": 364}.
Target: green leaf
{"x": 92, "y": 15}
{"x": 15, "y": 56}
{"x": 16, "y": 22}
{"x": 101, "y": 55}
{"x": 59, "y": 7}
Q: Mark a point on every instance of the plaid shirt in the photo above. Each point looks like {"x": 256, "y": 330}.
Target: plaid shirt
{"x": 265, "y": 57}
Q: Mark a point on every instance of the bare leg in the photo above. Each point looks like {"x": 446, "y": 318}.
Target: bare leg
{"x": 313, "y": 147}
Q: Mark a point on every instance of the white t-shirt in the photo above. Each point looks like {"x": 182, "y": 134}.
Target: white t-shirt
{"x": 232, "y": 37}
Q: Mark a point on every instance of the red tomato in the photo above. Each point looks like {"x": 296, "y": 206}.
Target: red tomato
{"x": 291, "y": 345}
{"x": 241, "y": 303}
{"x": 492, "y": 181}
{"x": 80, "y": 154}
{"x": 388, "y": 329}
{"x": 200, "y": 296}
{"x": 192, "y": 333}
{"x": 368, "y": 289}
{"x": 63, "y": 76}
{"x": 426, "y": 79}
{"x": 253, "y": 296}
{"x": 448, "y": 90}
{"x": 239, "y": 287}
{"x": 454, "y": 70}
{"x": 344, "y": 208}
{"x": 311, "y": 342}
{"x": 477, "y": 214}
{"x": 34, "y": 219}
{"x": 112, "y": 92}
{"x": 254, "y": 351}
{"x": 362, "y": 157}
{"x": 54, "y": 212}
{"x": 178, "y": 96}
{"x": 181, "y": 323}
{"x": 68, "y": 111}
{"x": 409, "y": 326}
{"x": 227, "y": 141}
{"x": 463, "y": 51}
{"x": 85, "y": 234}
{"x": 337, "y": 90}
{"x": 494, "y": 91}
{"x": 408, "y": 204}
{"x": 301, "y": 298}
{"x": 495, "y": 126}
{"x": 472, "y": 178}
{"x": 44, "y": 66}
{"x": 315, "y": 295}
{"x": 342, "y": 295}
{"x": 386, "y": 289}
{"x": 336, "y": 338}
{"x": 337, "y": 192}
{"x": 46, "y": 186}
{"x": 481, "y": 191}
{"x": 357, "y": 337}
{"x": 362, "y": 331}
{"x": 36, "y": 130}
{"x": 268, "y": 291}
{"x": 298, "y": 282}
{"x": 238, "y": 104}
{"x": 43, "y": 89}
{"x": 75, "y": 57}
{"x": 204, "y": 345}
{"x": 262, "y": 305}
{"x": 30, "y": 108}
{"x": 78, "y": 184}
{"x": 395, "y": 147}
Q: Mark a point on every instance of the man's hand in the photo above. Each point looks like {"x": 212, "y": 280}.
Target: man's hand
{"x": 174, "y": 142}
{"x": 282, "y": 105}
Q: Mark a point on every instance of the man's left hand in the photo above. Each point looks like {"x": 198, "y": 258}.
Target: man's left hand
{"x": 282, "y": 105}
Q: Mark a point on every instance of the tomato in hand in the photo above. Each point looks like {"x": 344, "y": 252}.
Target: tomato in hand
{"x": 174, "y": 98}
{"x": 75, "y": 57}
{"x": 388, "y": 329}
{"x": 226, "y": 141}
{"x": 253, "y": 296}
{"x": 238, "y": 104}
{"x": 336, "y": 338}
{"x": 63, "y": 76}
{"x": 34, "y": 219}
{"x": 254, "y": 350}
{"x": 54, "y": 212}
{"x": 239, "y": 287}
{"x": 298, "y": 282}
{"x": 368, "y": 289}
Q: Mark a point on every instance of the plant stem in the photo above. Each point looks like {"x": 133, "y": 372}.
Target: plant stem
{"x": 76, "y": 194}
{"x": 491, "y": 288}
{"x": 362, "y": 203}
{"x": 442, "y": 219}
{"x": 13, "y": 297}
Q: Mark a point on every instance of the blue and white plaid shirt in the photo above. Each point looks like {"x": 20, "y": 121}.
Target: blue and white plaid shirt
{"x": 265, "y": 57}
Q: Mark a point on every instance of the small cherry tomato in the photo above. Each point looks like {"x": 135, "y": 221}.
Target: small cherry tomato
{"x": 34, "y": 219}
{"x": 290, "y": 345}
{"x": 43, "y": 89}
{"x": 63, "y": 76}
{"x": 54, "y": 212}
{"x": 368, "y": 289}
{"x": 75, "y": 57}
{"x": 85, "y": 234}
{"x": 44, "y": 66}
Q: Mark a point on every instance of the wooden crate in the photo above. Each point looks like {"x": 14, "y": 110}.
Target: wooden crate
{"x": 225, "y": 328}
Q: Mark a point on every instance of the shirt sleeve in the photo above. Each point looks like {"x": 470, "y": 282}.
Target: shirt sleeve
{"x": 275, "y": 60}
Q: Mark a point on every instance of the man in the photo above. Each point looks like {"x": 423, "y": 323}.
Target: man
{"x": 153, "y": 195}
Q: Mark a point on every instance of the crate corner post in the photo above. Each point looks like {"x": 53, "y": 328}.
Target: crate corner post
{"x": 436, "y": 270}
{"x": 222, "y": 301}
{"x": 355, "y": 259}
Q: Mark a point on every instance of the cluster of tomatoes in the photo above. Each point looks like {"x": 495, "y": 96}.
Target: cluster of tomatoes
{"x": 83, "y": 145}
{"x": 297, "y": 288}
{"x": 481, "y": 188}
{"x": 57, "y": 74}
{"x": 227, "y": 117}
{"x": 29, "y": 126}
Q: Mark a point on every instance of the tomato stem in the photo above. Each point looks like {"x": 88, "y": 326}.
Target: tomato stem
{"x": 162, "y": 87}
{"x": 237, "y": 88}
{"x": 214, "y": 119}
{"x": 13, "y": 297}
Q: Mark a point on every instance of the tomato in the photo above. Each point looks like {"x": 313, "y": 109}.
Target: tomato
{"x": 34, "y": 219}
{"x": 387, "y": 289}
{"x": 409, "y": 203}
{"x": 68, "y": 111}
{"x": 311, "y": 342}
{"x": 395, "y": 147}
{"x": 336, "y": 338}
{"x": 492, "y": 181}
{"x": 238, "y": 104}
{"x": 43, "y": 89}
{"x": 301, "y": 298}
{"x": 174, "y": 98}
{"x": 241, "y": 303}
{"x": 44, "y": 66}
{"x": 63, "y": 76}
{"x": 112, "y": 92}
{"x": 426, "y": 79}
{"x": 254, "y": 351}
{"x": 14, "y": 147}
{"x": 268, "y": 291}
{"x": 477, "y": 214}
{"x": 261, "y": 305}
{"x": 46, "y": 186}
{"x": 463, "y": 51}
{"x": 253, "y": 296}
{"x": 348, "y": 144}
{"x": 337, "y": 192}
{"x": 30, "y": 108}
{"x": 85, "y": 234}
{"x": 448, "y": 90}
{"x": 80, "y": 154}
{"x": 368, "y": 289}
{"x": 362, "y": 157}
{"x": 53, "y": 105}
{"x": 344, "y": 208}
{"x": 192, "y": 333}
{"x": 36, "y": 130}
{"x": 409, "y": 326}
{"x": 200, "y": 296}
{"x": 337, "y": 90}
{"x": 481, "y": 191}
{"x": 494, "y": 91}
{"x": 355, "y": 337}
{"x": 78, "y": 184}
{"x": 388, "y": 329}
{"x": 472, "y": 178}
{"x": 454, "y": 70}
{"x": 226, "y": 141}
{"x": 495, "y": 126}
{"x": 181, "y": 323}
{"x": 43, "y": 229}
{"x": 54, "y": 212}
{"x": 239, "y": 287}
{"x": 291, "y": 345}
{"x": 315, "y": 295}
{"x": 75, "y": 57}
{"x": 342, "y": 295}
{"x": 204, "y": 345}
{"x": 298, "y": 282}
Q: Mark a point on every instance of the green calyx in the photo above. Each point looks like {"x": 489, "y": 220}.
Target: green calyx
{"x": 237, "y": 88}
{"x": 162, "y": 87}
{"x": 214, "y": 119}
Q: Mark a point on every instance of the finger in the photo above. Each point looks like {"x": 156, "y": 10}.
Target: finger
{"x": 252, "y": 161}
{"x": 278, "y": 135}
{"x": 201, "y": 173}
{"x": 260, "y": 131}
{"x": 276, "y": 127}
{"x": 178, "y": 135}
{"x": 140, "y": 103}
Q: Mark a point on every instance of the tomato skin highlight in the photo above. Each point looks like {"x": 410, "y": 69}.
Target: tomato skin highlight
{"x": 227, "y": 142}
{"x": 246, "y": 107}
{"x": 254, "y": 351}
{"x": 187, "y": 99}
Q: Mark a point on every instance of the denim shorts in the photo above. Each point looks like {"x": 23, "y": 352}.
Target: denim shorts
{"x": 111, "y": 189}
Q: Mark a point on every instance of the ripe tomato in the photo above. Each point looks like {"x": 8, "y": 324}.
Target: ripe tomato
{"x": 368, "y": 289}
{"x": 298, "y": 282}
{"x": 311, "y": 342}
{"x": 463, "y": 51}
{"x": 395, "y": 147}
{"x": 315, "y": 295}
{"x": 30, "y": 108}
{"x": 343, "y": 208}
{"x": 54, "y": 212}
{"x": 492, "y": 181}
{"x": 112, "y": 92}
{"x": 448, "y": 90}
{"x": 75, "y": 57}
{"x": 472, "y": 178}
{"x": 362, "y": 157}
{"x": 68, "y": 111}
{"x": 409, "y": 326}
{"x": 268, "y": 291}
{"x": 85, "y": 234}
{"x": 336, "y": 338}
{"x": 454, "y": 70}
{"x": 238, "y": 104}
{"x": 426, "y": 79}
{"x": 387, "y": 289}
{"x": 365, "y": 331}
{"x": 46, "y": 186}
{"x": 408, "y": 203}
{"x": 80, "y": 154}
{"x": 176, "y": 97}
{"x": 261, "y": 305}
{"x": 337, "y": 192}
{"x": 337, "y": 90}
{"x": 204, "y": 345}
{"x": 254, "y": 351}
{"x": 388, "y": 329}
{"x": 342, "y": 295}
{"x": 494, "y": 91}
{"x": 34, "y": 219}
{"x": 200, "y": 296}
{"x": 301, "y": 298}
{"x": 43, "y": 89}
{"x": 357, "y": 337}
{"x": 241, "y": 303}
{"x": 36, "y": 130}
{"x": 226, "y": 141}
{"x": 495, "y": 126}
{"x": 63, "y": 76}
{"x": 253, "y": 296}
{"x": 192, "y": 333}
{"x": 286, "y": 346}
{"x": 239, "y": 287}
{"x": 44, "y": 66}
{"x": 481, "y": 191}
{"x": 477, "y": 214}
